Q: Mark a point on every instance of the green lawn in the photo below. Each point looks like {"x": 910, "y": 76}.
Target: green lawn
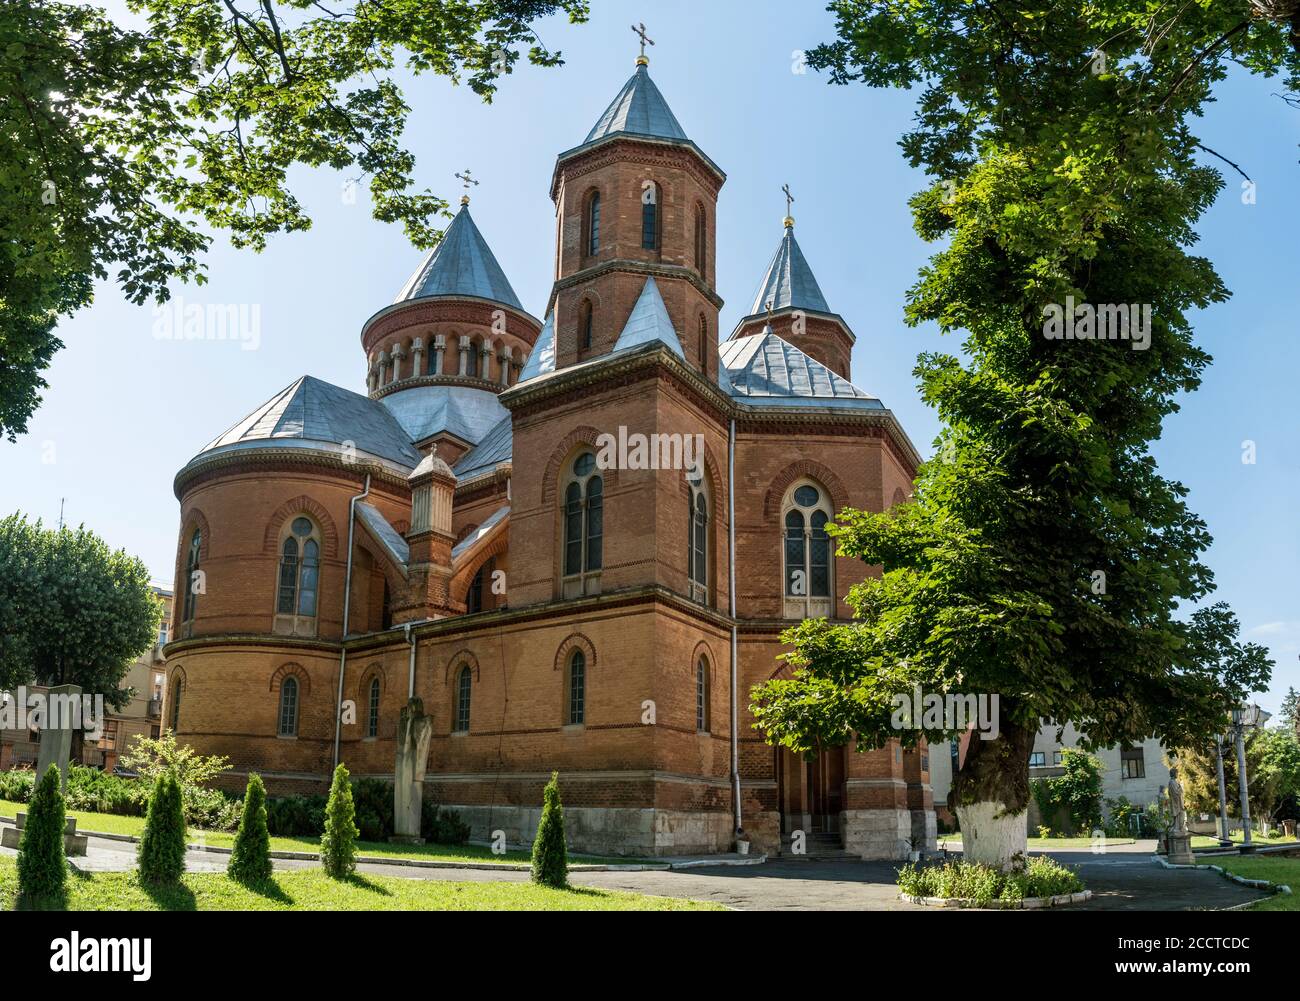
{"x": 1205, "y": 841}
{"x": 312, "y": 890}
{"x": 1276, "y": 870}
{"x": 1041, "y": 844}
{"x": 108, "y": 823}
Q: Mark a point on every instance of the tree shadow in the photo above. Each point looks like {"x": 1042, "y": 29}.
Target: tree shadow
{"x": 169, "y": 896}
{"x": 363, "y": 882}
{"x": 267, "y": 888}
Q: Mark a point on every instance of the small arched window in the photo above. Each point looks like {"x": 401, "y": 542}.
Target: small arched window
{"x": 702, "y": 695}
{"x": 809, "y": 568}
{"x": 289, "y": 707}
{"x": 177, "y": 687}
{"x": 577, "y": 688}
{"x": 298, "y": 582}
{"x": 585, "y": 325}
{"x": 701, "y": 240}
{"x": 192, "y": 578}
{"x": 697, "y": 543}
{"x": 372, "y": 716}
{"x": 474, "y": 599}
{"x": 584, "y": 527}
{"x": 650, "y": 216}
{"x": 704, "y": 343}
{"x": 593, "y": 224}
{"x": 471, "y": 358}
{"x": 464, "y": 683}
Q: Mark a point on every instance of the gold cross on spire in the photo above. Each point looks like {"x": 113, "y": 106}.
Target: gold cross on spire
{"x": 639, "y": 30}
{"x": 789, "y": 200}
{"x": 464, "y": 199}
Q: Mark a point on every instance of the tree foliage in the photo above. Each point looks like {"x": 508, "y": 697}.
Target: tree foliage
{"x": 1042, "y": 557}
{"x": 161, "y": 853}
{"x": 550, "y": 855}
{"x": 150, "y": 757}
{"x": 250, "y": 861}
{"x": 1272, "y": 772}
{"x": 338, "y": 845}
{"x": 42, "y": 870}
{"x": 124, "y": 145}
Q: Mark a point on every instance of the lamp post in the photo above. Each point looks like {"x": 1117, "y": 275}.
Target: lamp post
{"x": 1224, "y": 840}
{"x": 1244, "y": 718}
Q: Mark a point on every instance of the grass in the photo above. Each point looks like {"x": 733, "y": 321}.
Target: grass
{"x": 1276, "y": 870}
{"x": 1205, "y": 841}
{"x": 312, "y": 890}
{"x": 1043, "y": 844}
{"x": 108, "y": 823}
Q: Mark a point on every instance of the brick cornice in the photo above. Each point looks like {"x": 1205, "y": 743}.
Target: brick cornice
{"x": 282, "y": 458}
{"x": 642, "y": 269}
{"x": 444, "y": 309}
{"x": 577, "y": 162}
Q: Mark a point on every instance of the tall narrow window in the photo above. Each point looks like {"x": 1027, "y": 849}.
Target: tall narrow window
{"x": 372, "y": 717}
{"x": 191, "y": 581}
{"x": 702, "y": 695}
{"x": 701, "y": 236}
{"x": 289, "y": 707}
{"x": 298, "y": 580}
{"x": 464, "y": 681}
{"x": 474, "y": 600}
{"x": 471, "y": 359}
{"x": 577, "y": 688}
{"x": 593, "y": 224}
{"x": 650, "y": 217}
{"x": 809, "y": 563}
{"x": 177, "y": 687}
{"x": 704, "y": 343}
{"x": 697, "y": 544}
{"x": 585, "y": 323}
{"x": 584, "y": 527}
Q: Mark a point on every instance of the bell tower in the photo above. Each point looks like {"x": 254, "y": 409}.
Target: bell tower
{"x": 637, "y": 200}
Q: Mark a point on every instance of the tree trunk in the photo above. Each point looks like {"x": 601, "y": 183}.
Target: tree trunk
{"x": 990, "y": 796}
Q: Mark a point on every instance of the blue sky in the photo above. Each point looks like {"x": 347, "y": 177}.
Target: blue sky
{"x": 126, "y": 410}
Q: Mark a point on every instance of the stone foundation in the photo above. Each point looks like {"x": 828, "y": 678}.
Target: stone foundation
{"x": 879, "y": 834}
{"x": 628, "y": 832}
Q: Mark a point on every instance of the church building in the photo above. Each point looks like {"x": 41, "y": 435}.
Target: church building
{"x": 576, "y": 534}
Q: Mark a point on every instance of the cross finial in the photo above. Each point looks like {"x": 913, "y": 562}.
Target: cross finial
{"x": 639, "y": 30}
{"x": 464, "y": 199}
{"x": 789, "y": 200}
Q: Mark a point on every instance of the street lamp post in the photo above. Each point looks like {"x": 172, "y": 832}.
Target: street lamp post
{"x": 1242, "y": 720}
{"x": 1224, "y": 840}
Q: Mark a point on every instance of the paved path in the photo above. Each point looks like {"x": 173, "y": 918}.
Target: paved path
{"x": 1124, "y": 878}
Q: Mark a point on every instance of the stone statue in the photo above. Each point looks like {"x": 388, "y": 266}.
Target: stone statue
{"x": 1177, "y": 811}
{"x": 414, "y": 729}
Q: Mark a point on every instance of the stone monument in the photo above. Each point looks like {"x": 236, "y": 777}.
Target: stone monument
{"x": 414, "y": 729}
{"x": 62, "y": 710}
{"x": 1180, "y": 841}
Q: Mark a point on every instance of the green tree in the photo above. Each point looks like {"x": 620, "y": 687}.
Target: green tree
{"x": 126, "y": 144}
{"x": 250, "y": 862}
{"x": 42, "y": 869}
{"x": 1272, "y": 770}
{"x": 1076, "y": 791}
{"x": 1043, "y": 558}
{"x": 338, "y": 845}
{"x": 161, "y": 854}
{"x": 1289, "y": 717}
{"x": 74, "y": 611}
{"x": 550, "y": 855}
{"x": 150, "y": 757}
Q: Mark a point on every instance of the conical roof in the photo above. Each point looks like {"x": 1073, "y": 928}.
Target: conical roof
{"x": 789, "y": 282}
{"x": 461, "y": 264}
{"x": 639, "y": 109}
{"x": 649, "y": 321}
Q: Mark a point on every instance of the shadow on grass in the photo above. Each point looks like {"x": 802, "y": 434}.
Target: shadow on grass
{"x": 169, "y": 896}
{"x": 363, "y": 882}
{"x": 267, "y": 888}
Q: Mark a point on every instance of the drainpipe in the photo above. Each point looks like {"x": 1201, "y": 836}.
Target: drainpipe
{"x": 731, "y": 594}
{"x": 410, "y": 684}
{"x": 347, "y": 605}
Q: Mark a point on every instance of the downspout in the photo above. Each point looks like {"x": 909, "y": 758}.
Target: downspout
{"x": 410, "y": 684}
{"x": 731, "y": 596}
{"x": 347, "y": 605}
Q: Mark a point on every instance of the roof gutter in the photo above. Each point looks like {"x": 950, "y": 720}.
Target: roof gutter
{"x": 347, "y": 607}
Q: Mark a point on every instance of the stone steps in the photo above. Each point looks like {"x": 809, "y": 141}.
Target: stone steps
{"x": 73, "y": 843}
{"x": 816, "y": 846}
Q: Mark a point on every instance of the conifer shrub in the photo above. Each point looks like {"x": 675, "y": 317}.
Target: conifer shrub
{"x": 338, "y": 845}
{"x": 250, "y": 861}
{"x": 161, "y": 853}
{"x": 550, "y": 856}
{"x": 42, "y": 870}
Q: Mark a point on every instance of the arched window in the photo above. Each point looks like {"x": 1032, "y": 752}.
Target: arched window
{"x": 585, "y": 325}
{"x": 298, "y": 582}
{"x": 372, "y": 717}
{"x": 584, "y": 527}
{"x": 471, "y": 359}
{"x": 697, "y": 543}
{"x": 704, "y": 343}
{"x": 192, "y": 578}
{"x": 464, "y": 683}
{"x": 650, "y": 216}
{"x": 809, "y": 568}
{"x": 593, "y": 224}
{"x": 177, "y": 687}
{"x": 702, "y": 695}
{"x": 577, "y": 688}
{"x": 701, "y": 239}
{"x": 474, "y": 601}
{"x": 289, "y": 707}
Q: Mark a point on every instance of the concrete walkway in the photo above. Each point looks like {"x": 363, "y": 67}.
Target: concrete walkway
{"x": 1124, "y": 878}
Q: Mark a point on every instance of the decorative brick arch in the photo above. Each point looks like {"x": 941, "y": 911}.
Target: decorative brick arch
{"x": 797, "y": 470}
{"x": 702, "y": 649}
{"x": 899, "y": 497}
{"x": 291, "y": 670}
{"x": 574, "y": 641}
{"x": 372, "y": 671}
{"x": 462, "y": 578}
{"x": 301, "y": 505}
{"x": 584, "y": 435}
{"x": 716, "y": 485}
{"x": 461, "y": 657}
{"x": 194, "y": 518}
{"x": 177, "y": 673}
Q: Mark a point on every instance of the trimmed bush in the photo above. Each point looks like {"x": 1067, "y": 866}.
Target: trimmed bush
{"x": 550, "y": 856}
{"x": 1041, "y": 877}
{"x": 338, "y": 845}
{"x": 250, "y": 862}
{"x": 42, "y": 870}
{"x": 162, "y": 845}
{"x": 296, "y": 816}
{"x": 442, "y": 827}
{"x": 16, "y": 786}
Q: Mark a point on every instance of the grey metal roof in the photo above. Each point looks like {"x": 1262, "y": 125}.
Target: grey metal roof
{"x": 467, "y": 543}
{"x": 496, "y": 447}
{"x": 765, "y": 370}
{"x": 461, "y": 264}
{"x": 789, "y": 282}
{"x": 541, "y": 359}
{"x": 466, "y": 412}
{"x": 649, "y": 321}
{"x": 388, "y": 536}
{"x": 313, "y": 413}
{"x": 638, "y": 109}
